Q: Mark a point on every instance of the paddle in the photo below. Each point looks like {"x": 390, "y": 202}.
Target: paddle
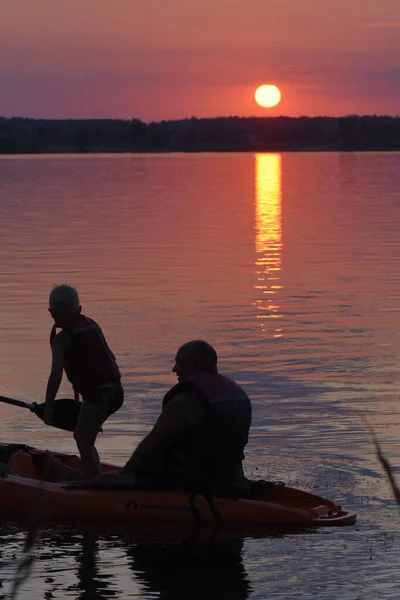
{"x": 65, "y": 411}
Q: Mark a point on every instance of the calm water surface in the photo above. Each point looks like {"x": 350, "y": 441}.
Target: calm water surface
{"x": 288, "y": 264}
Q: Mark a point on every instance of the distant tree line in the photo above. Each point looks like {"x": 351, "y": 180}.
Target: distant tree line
{"x": 22, "y": 135}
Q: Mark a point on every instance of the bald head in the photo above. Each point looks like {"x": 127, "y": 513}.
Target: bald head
{"x": 193, "y": 357}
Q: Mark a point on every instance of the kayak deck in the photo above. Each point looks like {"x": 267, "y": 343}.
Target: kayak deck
{"x": 269, "y": 504}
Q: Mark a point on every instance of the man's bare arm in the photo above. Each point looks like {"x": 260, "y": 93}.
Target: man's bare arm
{"x": 184, "y": 411}
{"x": 58, "y": 347}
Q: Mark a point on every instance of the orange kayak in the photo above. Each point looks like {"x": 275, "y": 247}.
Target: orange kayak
{"x": 271, "y": 505}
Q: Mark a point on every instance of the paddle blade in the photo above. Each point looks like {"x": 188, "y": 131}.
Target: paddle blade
{"x": 65, "y": 413}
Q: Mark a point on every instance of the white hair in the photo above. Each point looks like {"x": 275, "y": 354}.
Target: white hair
{"x": 64, "y": 298}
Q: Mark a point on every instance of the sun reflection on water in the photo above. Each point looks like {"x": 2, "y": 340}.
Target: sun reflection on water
{"x": 268, "y": 241}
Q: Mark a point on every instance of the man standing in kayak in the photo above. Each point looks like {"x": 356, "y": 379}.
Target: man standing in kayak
{"x": 80, "y": 349}
{"x": 198, "y": 440}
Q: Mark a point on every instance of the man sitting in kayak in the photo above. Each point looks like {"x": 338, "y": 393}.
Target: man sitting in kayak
{"x": 82, "y": 351}
{"x": 199, "y": 438}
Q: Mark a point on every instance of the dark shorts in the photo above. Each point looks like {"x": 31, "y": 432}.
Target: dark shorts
{"x": 108, "y": 398}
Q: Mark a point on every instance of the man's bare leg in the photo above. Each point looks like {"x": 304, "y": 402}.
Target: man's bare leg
{"x": 91, "y": 418}
{"x": 56, "y": 470}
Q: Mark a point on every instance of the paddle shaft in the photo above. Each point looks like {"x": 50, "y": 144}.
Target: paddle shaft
{"x": 15, "y": 402}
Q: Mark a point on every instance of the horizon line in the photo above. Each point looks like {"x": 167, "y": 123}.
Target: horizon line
{"x": 193, "y": 117}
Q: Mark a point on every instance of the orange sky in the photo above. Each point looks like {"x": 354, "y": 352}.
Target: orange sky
{"x": 171, "y": 59}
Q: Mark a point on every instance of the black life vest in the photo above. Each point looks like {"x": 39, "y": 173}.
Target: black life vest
{"x": 88, "y": 361}
{"x": 210, "y": 456}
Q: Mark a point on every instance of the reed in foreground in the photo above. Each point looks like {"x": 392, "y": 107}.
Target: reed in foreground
{"x": 385, "y": 464}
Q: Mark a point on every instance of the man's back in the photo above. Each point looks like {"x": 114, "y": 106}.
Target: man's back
{"x": 209, "y": 454}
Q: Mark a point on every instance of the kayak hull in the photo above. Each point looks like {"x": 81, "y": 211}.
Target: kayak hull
{"x": 22, "y": 494}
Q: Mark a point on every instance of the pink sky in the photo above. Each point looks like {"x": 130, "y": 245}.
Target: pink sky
{"x": 172, "y": 59}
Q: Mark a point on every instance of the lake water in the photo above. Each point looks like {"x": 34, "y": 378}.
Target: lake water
{"x": 287, "y": 264}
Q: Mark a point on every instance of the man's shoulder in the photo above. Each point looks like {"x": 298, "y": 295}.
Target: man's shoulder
{"x": 188, "y": 395}
{"x": 85, "y": 324}
{"x": 187, "y": 407}
{"x": 89, "y": 320}
{"x": 61, "y": 339}
{"x": 188, "y": 401}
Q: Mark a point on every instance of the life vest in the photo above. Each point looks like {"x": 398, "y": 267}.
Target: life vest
{"x": 88, "y": 361}
{"x": 209, "y": 457}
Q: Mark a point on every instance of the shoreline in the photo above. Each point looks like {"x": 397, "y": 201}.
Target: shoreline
{"x": 273, "y": 150}
{"x": 220, "y": 134}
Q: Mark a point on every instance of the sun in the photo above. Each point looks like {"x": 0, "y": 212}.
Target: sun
{"x": 267, "y": 95}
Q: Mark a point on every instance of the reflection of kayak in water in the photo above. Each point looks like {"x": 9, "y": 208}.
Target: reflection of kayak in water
{"x": 127, "y": 566}
{"x": 27, "y": 485}
{"x": 212, "y": 569}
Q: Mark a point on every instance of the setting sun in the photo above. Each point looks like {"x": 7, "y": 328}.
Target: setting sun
{"x": 267, "y": 95}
